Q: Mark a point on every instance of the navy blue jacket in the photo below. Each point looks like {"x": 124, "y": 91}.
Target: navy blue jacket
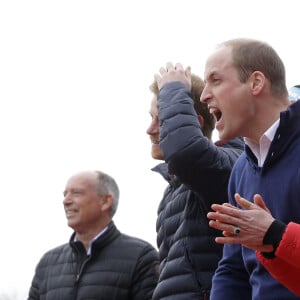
{"x": 197, "y": 172}
{"x": 240, "y": 275}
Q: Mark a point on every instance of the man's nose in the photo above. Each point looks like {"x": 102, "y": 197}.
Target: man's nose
{"x": 205, "y": 95}
{"x": 153, "y": 128}
{"x": 67, "y": 199}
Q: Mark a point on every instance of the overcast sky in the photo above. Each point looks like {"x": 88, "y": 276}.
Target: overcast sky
{"x": 74, "y": 96}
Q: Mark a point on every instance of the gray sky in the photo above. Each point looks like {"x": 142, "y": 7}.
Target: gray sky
{"x": 74, "y": 96}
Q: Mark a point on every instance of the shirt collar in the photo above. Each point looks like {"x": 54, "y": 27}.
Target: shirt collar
{"x": 261, "y": 150}
{"x": 92, "y": 240}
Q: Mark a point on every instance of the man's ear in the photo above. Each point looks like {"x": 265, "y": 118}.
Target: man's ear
{"x": 257, "y": 82}
{"x": 201, "y": 121}
{"x": 106, "y": 202}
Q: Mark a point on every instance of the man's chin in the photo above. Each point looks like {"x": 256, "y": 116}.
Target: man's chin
{"x": 71, "y": 224}
{"x": 156, "y": 154}
{"x": 226, "y": 136}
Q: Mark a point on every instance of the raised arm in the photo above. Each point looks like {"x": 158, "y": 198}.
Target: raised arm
{"x": 191, "y": 156}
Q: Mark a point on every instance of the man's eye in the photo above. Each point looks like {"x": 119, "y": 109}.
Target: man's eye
{"x": 76, "y": 192}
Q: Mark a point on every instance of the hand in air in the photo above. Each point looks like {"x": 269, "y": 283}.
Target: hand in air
{"x": 172, "y": 73}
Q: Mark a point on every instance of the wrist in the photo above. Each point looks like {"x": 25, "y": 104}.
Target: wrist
{"x": 273, "y": 237}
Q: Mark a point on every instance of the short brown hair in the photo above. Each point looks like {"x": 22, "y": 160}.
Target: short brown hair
{"x": 197, "y": 86}
{"x": 250, "y": 55}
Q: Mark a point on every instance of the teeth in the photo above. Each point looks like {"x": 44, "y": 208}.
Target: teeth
{"x": 212, "y": 110}
{"x": 215, "y": 112}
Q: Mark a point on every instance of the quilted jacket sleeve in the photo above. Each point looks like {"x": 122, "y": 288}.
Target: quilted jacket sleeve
{"x": 285, "y": 266}
{"x": 196, "y": 160}
{"x": 146, "y": 274}
{"x": 34, "y": 288}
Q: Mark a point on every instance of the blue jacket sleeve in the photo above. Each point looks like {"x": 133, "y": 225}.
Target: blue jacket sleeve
{"x": 231, "y": 281}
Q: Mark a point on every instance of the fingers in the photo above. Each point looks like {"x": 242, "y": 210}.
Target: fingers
{"x": 188, "y": 71}
{"x": 162, "y": 71}
{"x": 170, "y": 67}
{"x": 225, "y": 210}
{"x": 226, "y": 218}
{"x": 228, "y": 230}
{"x": 179, "y": 66}
{"x": 258, "y": 200}
{"x": 236, "y": 230}
{"x": 171, "y": 73}
{"x": 157, "y": 78}
{"x": 229, "y": 205}
{"x": 243, "y": 202}
{"x": 237, "y": 240}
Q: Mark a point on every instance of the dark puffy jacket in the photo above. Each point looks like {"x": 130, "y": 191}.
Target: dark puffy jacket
{"x": 120, "y": 267}
{"x": 197, "y": 172}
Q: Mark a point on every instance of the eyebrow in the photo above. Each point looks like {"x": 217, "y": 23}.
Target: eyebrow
{"x": 207, "y": 78}
{"x": 72, "y": 190}
{"x": 212, "y": 74}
